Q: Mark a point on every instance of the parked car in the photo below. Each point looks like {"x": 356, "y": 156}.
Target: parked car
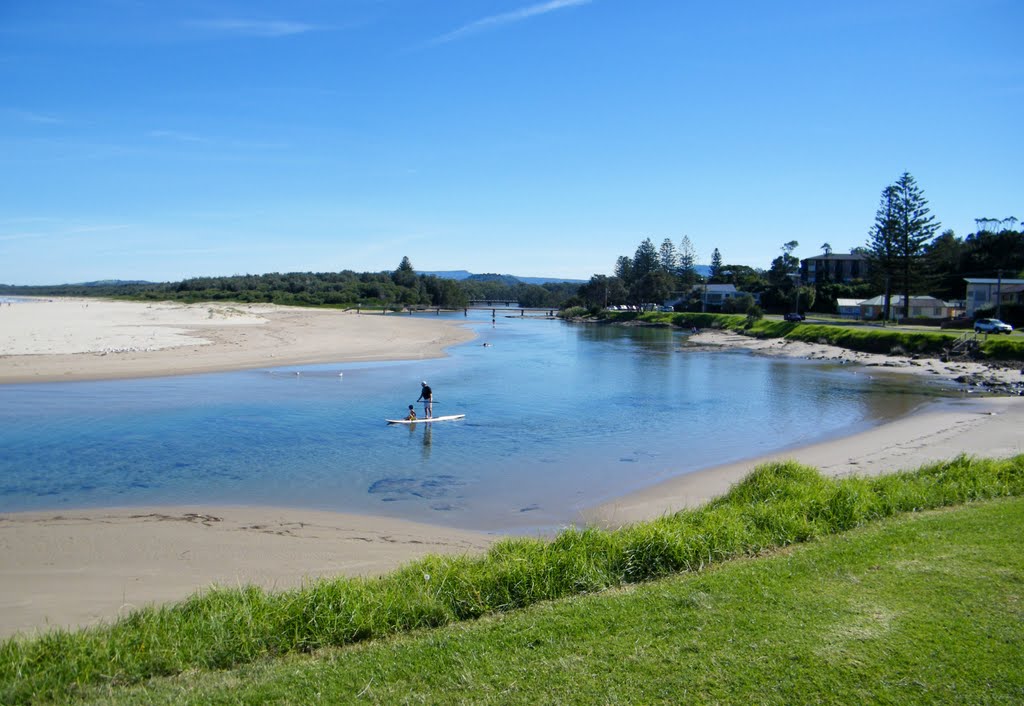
{"x": 992, "y": 326}
{"x": 793, "y": 316}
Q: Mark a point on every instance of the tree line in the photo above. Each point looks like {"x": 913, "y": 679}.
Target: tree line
{"x": 398, "y": 289}
{"x": 656, "y": 274}
{"x": 903, "y": 252}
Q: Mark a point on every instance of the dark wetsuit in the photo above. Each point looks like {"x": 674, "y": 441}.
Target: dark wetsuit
{"x": 427, "y": 395}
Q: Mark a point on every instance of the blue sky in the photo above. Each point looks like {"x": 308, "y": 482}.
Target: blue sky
{"x": 142, "y": 139}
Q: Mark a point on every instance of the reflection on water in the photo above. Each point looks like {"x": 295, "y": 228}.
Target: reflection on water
{"x": 428, "y": 429}
{"x": 558, "y": 417}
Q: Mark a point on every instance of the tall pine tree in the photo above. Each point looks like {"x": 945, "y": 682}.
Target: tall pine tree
{"x": 903, "y": 226}
{"x": 687, "y": 262}
{"x": 669, "y": 257}
{"x": 646, "y": 259}
{"x": 882, "y": 246}
{"x": 716, "y": 266}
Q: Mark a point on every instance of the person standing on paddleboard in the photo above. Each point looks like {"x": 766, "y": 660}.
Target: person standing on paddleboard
{"x": 427, "y": 397}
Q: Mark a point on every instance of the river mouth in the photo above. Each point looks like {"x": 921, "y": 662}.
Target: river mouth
{"x": 559, "y": 417}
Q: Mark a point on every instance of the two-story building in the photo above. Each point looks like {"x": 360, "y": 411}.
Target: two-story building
{"x": 834, "y": 267}
{"x": 983, "y": 292}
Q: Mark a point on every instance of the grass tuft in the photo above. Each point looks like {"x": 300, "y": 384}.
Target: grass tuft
{"x": 778, "y": 504}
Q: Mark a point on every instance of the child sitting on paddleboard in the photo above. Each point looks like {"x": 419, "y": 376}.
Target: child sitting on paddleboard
{"x": 412, "y": 415}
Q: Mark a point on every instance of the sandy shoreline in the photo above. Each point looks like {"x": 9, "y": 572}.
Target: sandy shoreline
{"x": 983, "y": 426}
{"x": 79, "y": 567}
{"x": 970, "y": 374}
{"x": 79, "y": 339}
{"x": 82, "y": 567}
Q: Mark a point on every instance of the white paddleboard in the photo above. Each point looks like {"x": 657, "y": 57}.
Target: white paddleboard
{"x": 449, "y": 418}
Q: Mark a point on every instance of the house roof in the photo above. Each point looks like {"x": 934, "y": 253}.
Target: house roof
{"x": 838, "y": 256}
{"x": 989, "y": 280}
{"x": 720, "y": 287}
{"x": 848, "y": 302}
{"x": 897, "y": 300}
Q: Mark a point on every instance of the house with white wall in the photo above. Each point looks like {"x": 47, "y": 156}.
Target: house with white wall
{"x": 921, "y": 307}
{"x": 982, "y": 292}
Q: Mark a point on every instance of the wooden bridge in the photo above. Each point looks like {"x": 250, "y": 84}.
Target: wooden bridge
{"x": 492, "y": 303}
{"x": 523, "y": 311}
{"x": 511, "y": 305}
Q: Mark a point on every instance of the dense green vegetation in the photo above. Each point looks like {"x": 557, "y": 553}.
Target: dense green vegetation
{"x": 902, "y": 250}
{"x": 858, "y": 338}
{"x": 902, "y": 247}
{"x": 777, "y": 505}
{"x": 396, "y": 290}
{"x": 920, "y": 609}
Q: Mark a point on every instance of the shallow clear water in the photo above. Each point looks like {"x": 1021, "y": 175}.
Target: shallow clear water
{"x": 558, "y": 417}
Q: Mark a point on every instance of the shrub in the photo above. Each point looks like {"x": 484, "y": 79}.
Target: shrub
{"x": 575, "y": 312}
{"x": 754, "y": 314}
{"x": 1003, "y": 348}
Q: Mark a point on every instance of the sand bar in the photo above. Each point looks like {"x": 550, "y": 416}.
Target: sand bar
{"x": 74, "y": 568}
{"x": 93, "y": 339}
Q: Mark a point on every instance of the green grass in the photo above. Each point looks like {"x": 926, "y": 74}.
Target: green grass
{"x": 776, "y": 506}
{"x": 889, "y": 340}
{"x": 926, "y": 608}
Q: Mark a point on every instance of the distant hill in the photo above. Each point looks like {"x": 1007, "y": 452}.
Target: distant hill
{"x": 449, "y": 274}
{"x": 506, "y": 279}
{"x": 112, "y": 282}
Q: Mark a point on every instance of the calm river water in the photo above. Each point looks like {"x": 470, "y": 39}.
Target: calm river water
{"x": 558, "y": 417}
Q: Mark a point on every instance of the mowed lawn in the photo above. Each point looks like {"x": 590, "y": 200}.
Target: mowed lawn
{"x": 923, "y": 608}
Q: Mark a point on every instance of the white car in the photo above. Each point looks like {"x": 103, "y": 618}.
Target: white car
{"x": 992, "y": 326}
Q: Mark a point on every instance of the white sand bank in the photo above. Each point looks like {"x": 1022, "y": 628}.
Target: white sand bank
{"x": 93, "y": 339}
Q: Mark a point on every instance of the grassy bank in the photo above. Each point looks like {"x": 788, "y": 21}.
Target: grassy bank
{"x": 777, "y": 505}
{"x": 857, "y": 338}
{"x": 925, "y": 608}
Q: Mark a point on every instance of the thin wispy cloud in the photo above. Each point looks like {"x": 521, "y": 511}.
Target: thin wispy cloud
{"x": 21, "y": 236}
{"x": 97, "y": 228}
{"x": 32, "y": 117}
{"x": 69, "y": 231}
{"x": 189, "y": 138}
{"x": 506, "y": 18}
{"x": 179, "y": 251}
{"x": 253, "y": 28}
{"x": 175, "y": 136}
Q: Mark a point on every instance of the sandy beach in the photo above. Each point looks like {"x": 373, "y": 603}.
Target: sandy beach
{"x": 92, "y": 339}
{"x": 80, "y": 568}
{"x": 77, "y": 568}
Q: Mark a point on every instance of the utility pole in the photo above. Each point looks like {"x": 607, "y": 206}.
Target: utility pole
{"x": 999, "y": 294}
{"x": 887, "y": 303}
